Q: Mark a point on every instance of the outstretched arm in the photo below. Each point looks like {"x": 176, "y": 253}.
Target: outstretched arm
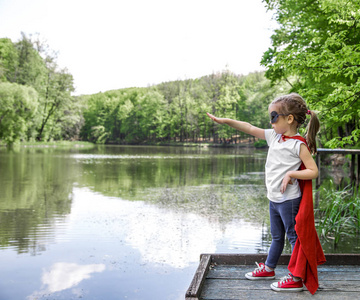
{"x": 241, "y": 126}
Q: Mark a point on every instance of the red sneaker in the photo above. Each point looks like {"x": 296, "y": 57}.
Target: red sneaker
{"x": 260, "y": 273}
{"x": 287, "y": 284}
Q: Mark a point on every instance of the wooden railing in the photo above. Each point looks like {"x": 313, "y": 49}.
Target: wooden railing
{"x": 354, "y": 176}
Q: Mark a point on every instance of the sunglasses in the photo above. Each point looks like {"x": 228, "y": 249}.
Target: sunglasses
{"x": 274, "y": 116}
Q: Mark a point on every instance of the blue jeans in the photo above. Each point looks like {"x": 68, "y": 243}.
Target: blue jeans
{"x": 282, "y": 220}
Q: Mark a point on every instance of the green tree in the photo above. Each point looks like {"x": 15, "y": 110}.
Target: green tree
{"x": 92, "y": 112}
{"x": 317, "y": 50}
{"x": 131, "y": 130}
{"x": 18, "y": 105}
{"x": 8, "y": 60}
{"x": 28, "y": 62}
{"x": 31, "y": 67}
{"x": 228, "y": 101}
{"x": 151, "y": 106}
{"x": 212, "y": 87}
{"x": 55, "y": 102}
{"x": 170, "y": 92}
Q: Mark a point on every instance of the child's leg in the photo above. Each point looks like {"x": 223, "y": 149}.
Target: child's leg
{"x": 288, "y": 213}
{"x": 277, "y": 234}
{"x": 266, "y": 271}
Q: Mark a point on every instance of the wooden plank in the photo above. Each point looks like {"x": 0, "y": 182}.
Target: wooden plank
{"x": 339, "y": 151}
{"x": 342, "y": 259}
{"x": 244, "y": 284}
{"x": 260, "y": 295}
{"x": 238, "y": 272}
{"x": 246, "y": 289}
{"x": 250, "y": 259}
{"x": 245, "y": 259}
{"x": 272, "y": 295}
{"x": 194, "y": 289}
{"x": 221, "y": 277}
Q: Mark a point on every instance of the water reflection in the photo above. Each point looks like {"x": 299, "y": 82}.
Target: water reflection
{"x": 62, "y": 276}
{"x": 171, "y": 238}
{"x": 128, "y": 171}
{"x": 162, "y": 235}
{"x": 36, "y": 195}
{"x": 138, "y": 216}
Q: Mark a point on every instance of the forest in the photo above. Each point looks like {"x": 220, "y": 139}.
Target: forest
{"x": 315, "y": 51}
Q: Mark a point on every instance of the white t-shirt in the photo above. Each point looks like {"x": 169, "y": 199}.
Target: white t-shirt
{"x": 281, "y": 158}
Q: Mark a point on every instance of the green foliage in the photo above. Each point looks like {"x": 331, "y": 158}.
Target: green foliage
{"x": 56, "y": 105}
{"x": 177, "y": 110}
{"x": 260, "y": 144}
{"x": 339, "y": 213}
{"x": 98, "y": 134}
{"x": 8, "y": 60}
{"x": 30, "y": 66}
{"x": 58, "y": 114}
{"x": 18, "y": 105}
{"x": 317, "y": 50}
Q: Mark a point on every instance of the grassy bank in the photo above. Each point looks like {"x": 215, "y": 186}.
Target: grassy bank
{"x": 75, "y": 144}
{"x": 338, "y": 214}
{"x": 242, "y": 144}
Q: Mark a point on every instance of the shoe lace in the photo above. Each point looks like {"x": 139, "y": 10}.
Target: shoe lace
{"x": 285, "y": 279}
{"x": 259, "y": 268}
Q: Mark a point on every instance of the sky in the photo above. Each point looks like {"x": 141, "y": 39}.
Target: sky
{"x": 114, "y": 44}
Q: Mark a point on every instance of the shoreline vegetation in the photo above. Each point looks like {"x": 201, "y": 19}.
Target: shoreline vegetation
{"x": 82, "y": 144}
{"x": 54, "y": 144}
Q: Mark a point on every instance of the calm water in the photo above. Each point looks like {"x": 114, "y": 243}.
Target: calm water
{"x": 124, "y": 222}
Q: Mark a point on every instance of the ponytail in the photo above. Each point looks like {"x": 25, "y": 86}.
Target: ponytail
{"x": 311, "y": 131}
{"x": 294, "y": 104}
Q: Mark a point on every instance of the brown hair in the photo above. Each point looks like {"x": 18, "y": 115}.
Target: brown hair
{"x": 294, "y": 104}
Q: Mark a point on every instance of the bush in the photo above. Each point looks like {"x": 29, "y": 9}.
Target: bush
{"x": 260, "y": 144}
{"x": 339, "y": 213}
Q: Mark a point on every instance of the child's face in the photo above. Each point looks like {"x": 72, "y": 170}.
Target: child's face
{"x": 278, "y": 121}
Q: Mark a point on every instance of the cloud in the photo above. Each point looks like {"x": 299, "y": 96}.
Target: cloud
{"x": 62, "y": 276}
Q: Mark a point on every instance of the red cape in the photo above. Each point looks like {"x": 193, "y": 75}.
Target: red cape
{"x": 307, "y": 253}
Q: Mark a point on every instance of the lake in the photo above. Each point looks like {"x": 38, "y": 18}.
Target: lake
{"x": 126, "y": 222}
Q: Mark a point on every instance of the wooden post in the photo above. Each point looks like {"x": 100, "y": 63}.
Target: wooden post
{"x": 358, "y": 171}
{"x": 318, "y": 179}
{"x": 352, "y": 169}
{"x": 194, "y": 290}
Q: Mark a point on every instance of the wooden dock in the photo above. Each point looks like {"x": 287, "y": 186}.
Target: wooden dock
{"x": 222, "y": 277}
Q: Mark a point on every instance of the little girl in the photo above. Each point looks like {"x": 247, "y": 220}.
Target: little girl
{"x": 287, "y": 151}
